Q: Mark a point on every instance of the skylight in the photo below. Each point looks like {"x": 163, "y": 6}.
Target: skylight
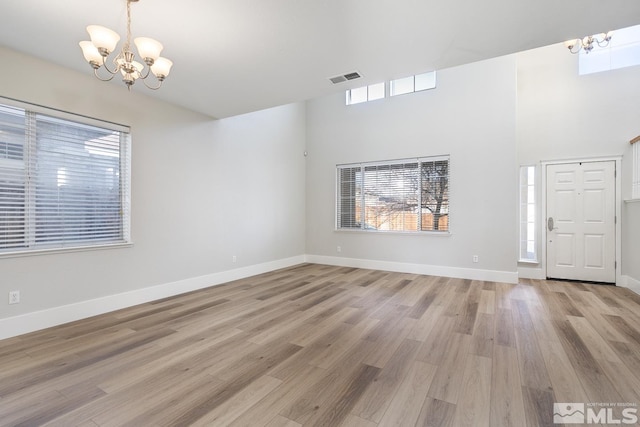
{"x": 623, "y": 51}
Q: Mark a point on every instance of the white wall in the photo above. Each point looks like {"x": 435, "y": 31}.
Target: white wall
{"x": 562, "y": 115}
{"x": 631, "y": 242}
{"x": 202, "y": 191}
{"x": 205, "y": 190}
{"x": 471, "y": 116}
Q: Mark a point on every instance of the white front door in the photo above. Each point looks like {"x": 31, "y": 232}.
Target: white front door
{"x": 580, "y": 221}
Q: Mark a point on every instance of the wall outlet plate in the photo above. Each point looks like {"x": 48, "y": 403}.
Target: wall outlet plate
{"x": 14, "y": 297}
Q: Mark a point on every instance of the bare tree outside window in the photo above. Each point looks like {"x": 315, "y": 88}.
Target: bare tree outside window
{"x": 435, "y": 194}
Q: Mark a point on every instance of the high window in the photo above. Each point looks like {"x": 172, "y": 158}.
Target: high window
{"x": 528, "y": 244}
{"x": 623, "y": 51}
{"x": 64, "y": 180}
{"x": 413, "y": 83}
{"x": 401, "y": 86}
{"x": 410, "y": 195}
{"x": 365, "y": 93}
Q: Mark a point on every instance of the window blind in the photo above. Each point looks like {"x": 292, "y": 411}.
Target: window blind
{"x": 391, "y": 196}
{"x": 13, "y": 176}
{"x": 350, "y": 197}
{"x": 403, "y": 195}
{"x": 63, "y": 183}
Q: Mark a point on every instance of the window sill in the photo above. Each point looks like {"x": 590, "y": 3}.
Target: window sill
{"x": 52, "y": 251}
{"x": 528, "y": 261}
{"x": 403, "y": 233}
{"x": 632, "y": 201}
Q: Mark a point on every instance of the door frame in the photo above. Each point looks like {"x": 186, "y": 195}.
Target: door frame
{"x": 618, "y": 207}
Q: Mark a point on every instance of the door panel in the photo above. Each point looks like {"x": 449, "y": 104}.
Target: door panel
{"x": 581, "y": 236}
{"x": 565, "y": 207}
{"x": 566, "y": 250}
{"x": 594, "y": 206}
{"x": 593, "y": 251}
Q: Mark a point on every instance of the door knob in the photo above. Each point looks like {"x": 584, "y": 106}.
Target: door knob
{"x": 550, "y": 224}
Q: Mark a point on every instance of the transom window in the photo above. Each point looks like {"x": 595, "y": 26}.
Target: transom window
{"x": 413, "y": 83}
{"x": 365, "y": 93}
{"x": 410, "y": 195}
{"x": 64, "y": 180}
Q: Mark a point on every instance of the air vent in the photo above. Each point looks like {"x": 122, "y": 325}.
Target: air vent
{"x": 345, "y": 77}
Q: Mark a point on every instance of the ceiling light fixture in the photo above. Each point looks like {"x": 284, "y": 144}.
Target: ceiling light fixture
{"x": 587, "y": 43}
{"x": 104, "y": 41}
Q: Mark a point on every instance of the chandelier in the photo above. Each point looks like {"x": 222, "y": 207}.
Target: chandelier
{"x": 103, "y": 43}
{"x": 587, "y": 43}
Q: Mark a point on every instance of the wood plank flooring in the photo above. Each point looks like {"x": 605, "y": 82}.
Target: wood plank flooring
{"x": 317, "y": 345}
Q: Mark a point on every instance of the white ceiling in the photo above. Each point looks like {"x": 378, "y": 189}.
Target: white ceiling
{"x": 236, "y": 56}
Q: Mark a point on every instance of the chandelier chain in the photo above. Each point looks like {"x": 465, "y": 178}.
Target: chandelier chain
{"x": 127, "y": 45}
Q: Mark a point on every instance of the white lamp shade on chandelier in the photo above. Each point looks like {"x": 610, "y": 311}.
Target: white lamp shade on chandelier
{"x": 161, "y": 67}
{"x": 103, "y": 38}
{"x": 148, "y": 48}
{"x": 90, "y": 52}
{"x": 103, "y": 43}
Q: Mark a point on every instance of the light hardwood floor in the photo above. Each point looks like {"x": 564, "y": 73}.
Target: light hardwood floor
{"x": 316, "y": 345}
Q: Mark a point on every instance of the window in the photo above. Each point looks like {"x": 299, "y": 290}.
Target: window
{"x": 528, "y": 252}
{"x": 365, "y": 93}
{"x": 413, "y": 83}
{"x": 635, "y": 153}
{"x": 623, "y": 51}
{"x": 64, "y": 180}
{"x": 404, "y": 195}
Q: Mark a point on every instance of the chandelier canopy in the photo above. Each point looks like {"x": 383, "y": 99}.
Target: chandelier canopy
{"x": 103, "y": 43}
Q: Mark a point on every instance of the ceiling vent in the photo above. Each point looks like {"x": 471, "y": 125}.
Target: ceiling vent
{"x": 345, "y": 77}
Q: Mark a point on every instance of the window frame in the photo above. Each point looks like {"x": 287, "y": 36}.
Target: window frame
{"x": 635, "y": 164}
{"x": 392, "y": 84}
{"x": 369, "y": 89}
{"x": 420, "y": 207}
{"x": 28, "y": 164}
{"x": 528, "y": 207}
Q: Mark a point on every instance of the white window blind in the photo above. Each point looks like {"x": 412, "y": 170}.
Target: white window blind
{"x": 63, "y": 183}
{"x": 391, "y": 196}
{"x": 349, "y": 201}
{"x": 404, "y": 195}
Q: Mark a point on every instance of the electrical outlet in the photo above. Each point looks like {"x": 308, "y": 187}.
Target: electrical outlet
{"x": 14, "y": 297}
{"x": 475, "y": 258}
{"x": 233, "y": 259}
{"x": 338, "y": 249}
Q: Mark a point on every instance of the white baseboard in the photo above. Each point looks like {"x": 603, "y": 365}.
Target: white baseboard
{"x": 30, "y": 322}
{"x": 433, "y": 270}
{"x": 631, "y": 283}
{"x": 535, "y": 273}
